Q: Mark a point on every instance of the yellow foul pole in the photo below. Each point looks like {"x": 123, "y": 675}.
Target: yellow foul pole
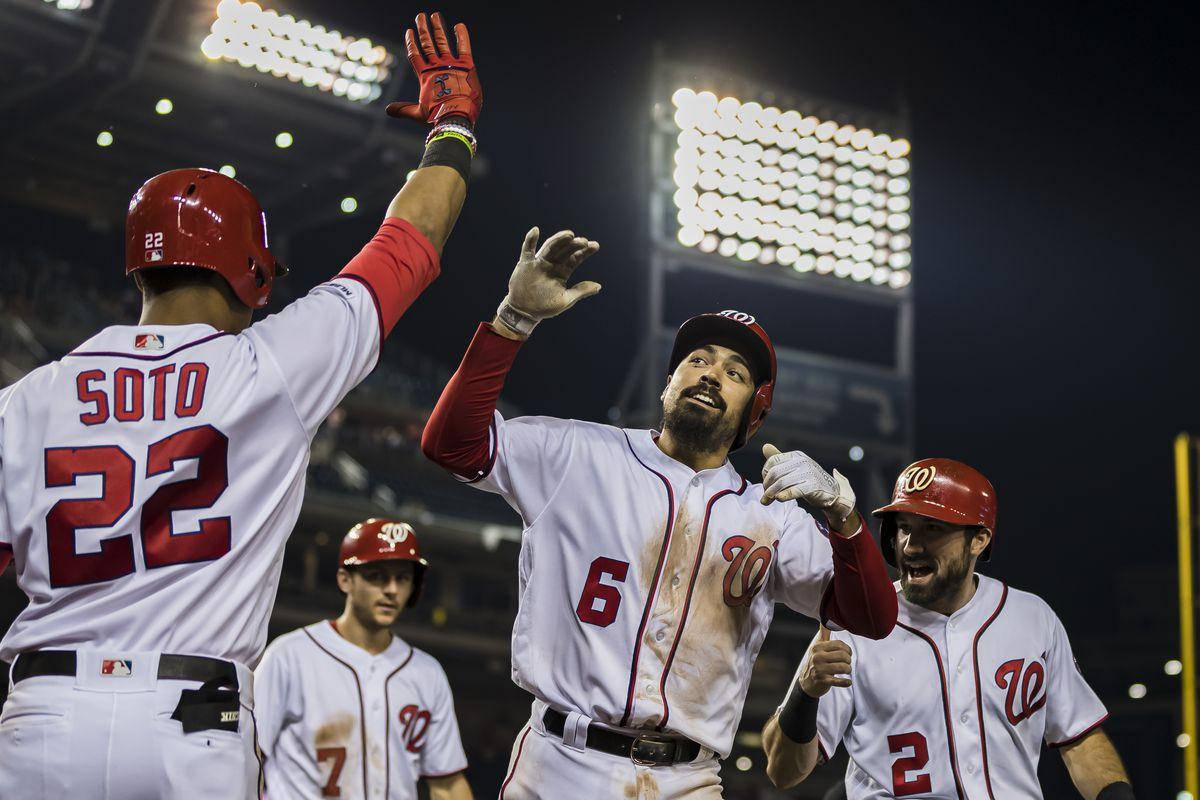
{"x": 1187, "y": 622}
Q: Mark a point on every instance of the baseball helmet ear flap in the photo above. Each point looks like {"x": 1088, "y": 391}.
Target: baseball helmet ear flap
{"x": 418, "y": 582}
{"x": 756, "y": 413}
{"x": 887, "y": 538}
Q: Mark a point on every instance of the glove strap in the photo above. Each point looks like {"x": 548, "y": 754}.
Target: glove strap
{"x": 514, "y": 320}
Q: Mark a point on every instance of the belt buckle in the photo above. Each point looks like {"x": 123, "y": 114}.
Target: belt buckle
{"x": 651, "y": 750}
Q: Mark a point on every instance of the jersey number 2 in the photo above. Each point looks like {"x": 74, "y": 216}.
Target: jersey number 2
{"x": 902, "y": 785}
{"x": 162, "y": 546}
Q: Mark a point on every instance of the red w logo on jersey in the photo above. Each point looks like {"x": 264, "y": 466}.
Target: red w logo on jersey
{"x": 1030, "y": 680}
{"x": 747, "y": 569}
{"x": 416, "y": 725}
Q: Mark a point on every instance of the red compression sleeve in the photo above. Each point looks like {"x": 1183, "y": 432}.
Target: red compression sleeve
{"x": 863, "y": 599}
{"x": 396, "y": 265}
{"x": 456, "y": 436}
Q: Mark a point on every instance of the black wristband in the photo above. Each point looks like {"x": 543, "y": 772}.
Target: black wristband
{"x": 798, "y": 717}
{"x": 449, "y": 151}
{"x": 1120, "y": 790}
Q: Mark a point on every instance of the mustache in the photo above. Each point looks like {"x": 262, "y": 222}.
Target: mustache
{"x": 702, "y": 389}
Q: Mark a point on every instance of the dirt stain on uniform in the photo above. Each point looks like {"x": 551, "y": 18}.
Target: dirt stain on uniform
{"x": 645, "y": 787}
{"x": 714, "y": 630}
{"x": 335, "y": 732}
{"x": 653, "y": 549}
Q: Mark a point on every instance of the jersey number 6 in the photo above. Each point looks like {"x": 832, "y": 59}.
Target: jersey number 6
{"x": 161, "y": 545}
{"x": 599, "y": 602}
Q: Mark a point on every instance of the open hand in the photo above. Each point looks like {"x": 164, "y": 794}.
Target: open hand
{"x": 449, "y": 83}
{"x": 538, "y": 286}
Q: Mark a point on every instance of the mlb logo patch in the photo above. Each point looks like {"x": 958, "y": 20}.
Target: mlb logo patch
{"x": 154, "y": 255}
{"x": 116, "y": 667}
{"x": 148, "y": 341}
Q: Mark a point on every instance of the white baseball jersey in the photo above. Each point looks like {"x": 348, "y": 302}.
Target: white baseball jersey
{"x": 645, "y": 588}
{"x": 956, "y": 707}
{"x": 149, "y": 479}
{"x": 335, "y": 721}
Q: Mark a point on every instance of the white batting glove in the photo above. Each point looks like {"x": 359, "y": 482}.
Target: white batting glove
{"x": 795, "y": 476}
{"x": 538, "y": 286}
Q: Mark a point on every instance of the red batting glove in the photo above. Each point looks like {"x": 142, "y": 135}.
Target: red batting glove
{"x": 449, "y": 84}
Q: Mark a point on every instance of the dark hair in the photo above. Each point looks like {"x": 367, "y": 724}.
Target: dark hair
{"x": 158, "y": 280}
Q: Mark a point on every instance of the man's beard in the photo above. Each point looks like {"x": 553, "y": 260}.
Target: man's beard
{"x": 942, "y": 585}
{"x": 697, "y": 430}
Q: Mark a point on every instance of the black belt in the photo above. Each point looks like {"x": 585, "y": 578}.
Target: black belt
{"x": 649, "y": 749}
{"x": 171, "y": 667}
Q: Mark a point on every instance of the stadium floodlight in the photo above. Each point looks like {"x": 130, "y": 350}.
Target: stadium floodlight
{"x": 349, "y": 205}
{"x": 228, "y": 171}
{"x": 298, "y": 50}
{"x": 164, "y": 107}
{"x": 283, "y": 140}
{"x": 70, "y": 5}
{"x": 104, "y": 138}
{"x": 779, "y": 187}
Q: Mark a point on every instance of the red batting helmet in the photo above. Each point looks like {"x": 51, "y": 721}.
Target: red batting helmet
{"x": 200, "y": 218}
{"x": 944, "y": 490}
{"x": 739, "y": 331}
{"x": 384, "y": 540}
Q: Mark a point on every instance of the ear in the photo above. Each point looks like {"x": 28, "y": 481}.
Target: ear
{"x": 344, "y": 580}
{"x": 980, "y": 539}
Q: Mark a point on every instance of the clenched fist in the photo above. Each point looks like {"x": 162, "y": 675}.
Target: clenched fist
{"x": 538, "y": 286}
{"x": 795, "y": 476}
{"x": 826, "y": 664}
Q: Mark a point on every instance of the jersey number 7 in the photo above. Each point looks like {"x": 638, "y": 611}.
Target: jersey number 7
{"x": 162, "y": 546}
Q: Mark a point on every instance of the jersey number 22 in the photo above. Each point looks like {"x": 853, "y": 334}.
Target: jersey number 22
{"x": 162, "y": 546}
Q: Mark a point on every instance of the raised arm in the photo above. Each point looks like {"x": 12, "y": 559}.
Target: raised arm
{"x": 403, "y": 258}
{"x": 450, "y": 100}
{"x": 1096, "y": 768}
{"x": 457, "y": 434}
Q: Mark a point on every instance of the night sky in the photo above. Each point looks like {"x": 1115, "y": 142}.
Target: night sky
{"x": 1054, "y": 246}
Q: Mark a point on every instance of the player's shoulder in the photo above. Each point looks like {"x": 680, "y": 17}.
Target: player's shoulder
{"x": 422, "y": 662}
{"x": 1025, "y": 603}
{"x": 296, "y": 641}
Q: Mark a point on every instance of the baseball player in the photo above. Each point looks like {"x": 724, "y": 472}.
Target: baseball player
{"x": 346, "y": 709}
{"x": 150, "y": 478}
{"x": 649, "y": 568}
{"x": 958, "y": 700}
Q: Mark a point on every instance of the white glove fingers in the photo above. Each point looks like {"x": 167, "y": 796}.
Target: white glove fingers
{"x": 553, "y": 247}
{"x": 580, "y": 250}
{"x": 579, "y": 291}
{"x": 529, "y": 246}
{"x": 790, "y": 493}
